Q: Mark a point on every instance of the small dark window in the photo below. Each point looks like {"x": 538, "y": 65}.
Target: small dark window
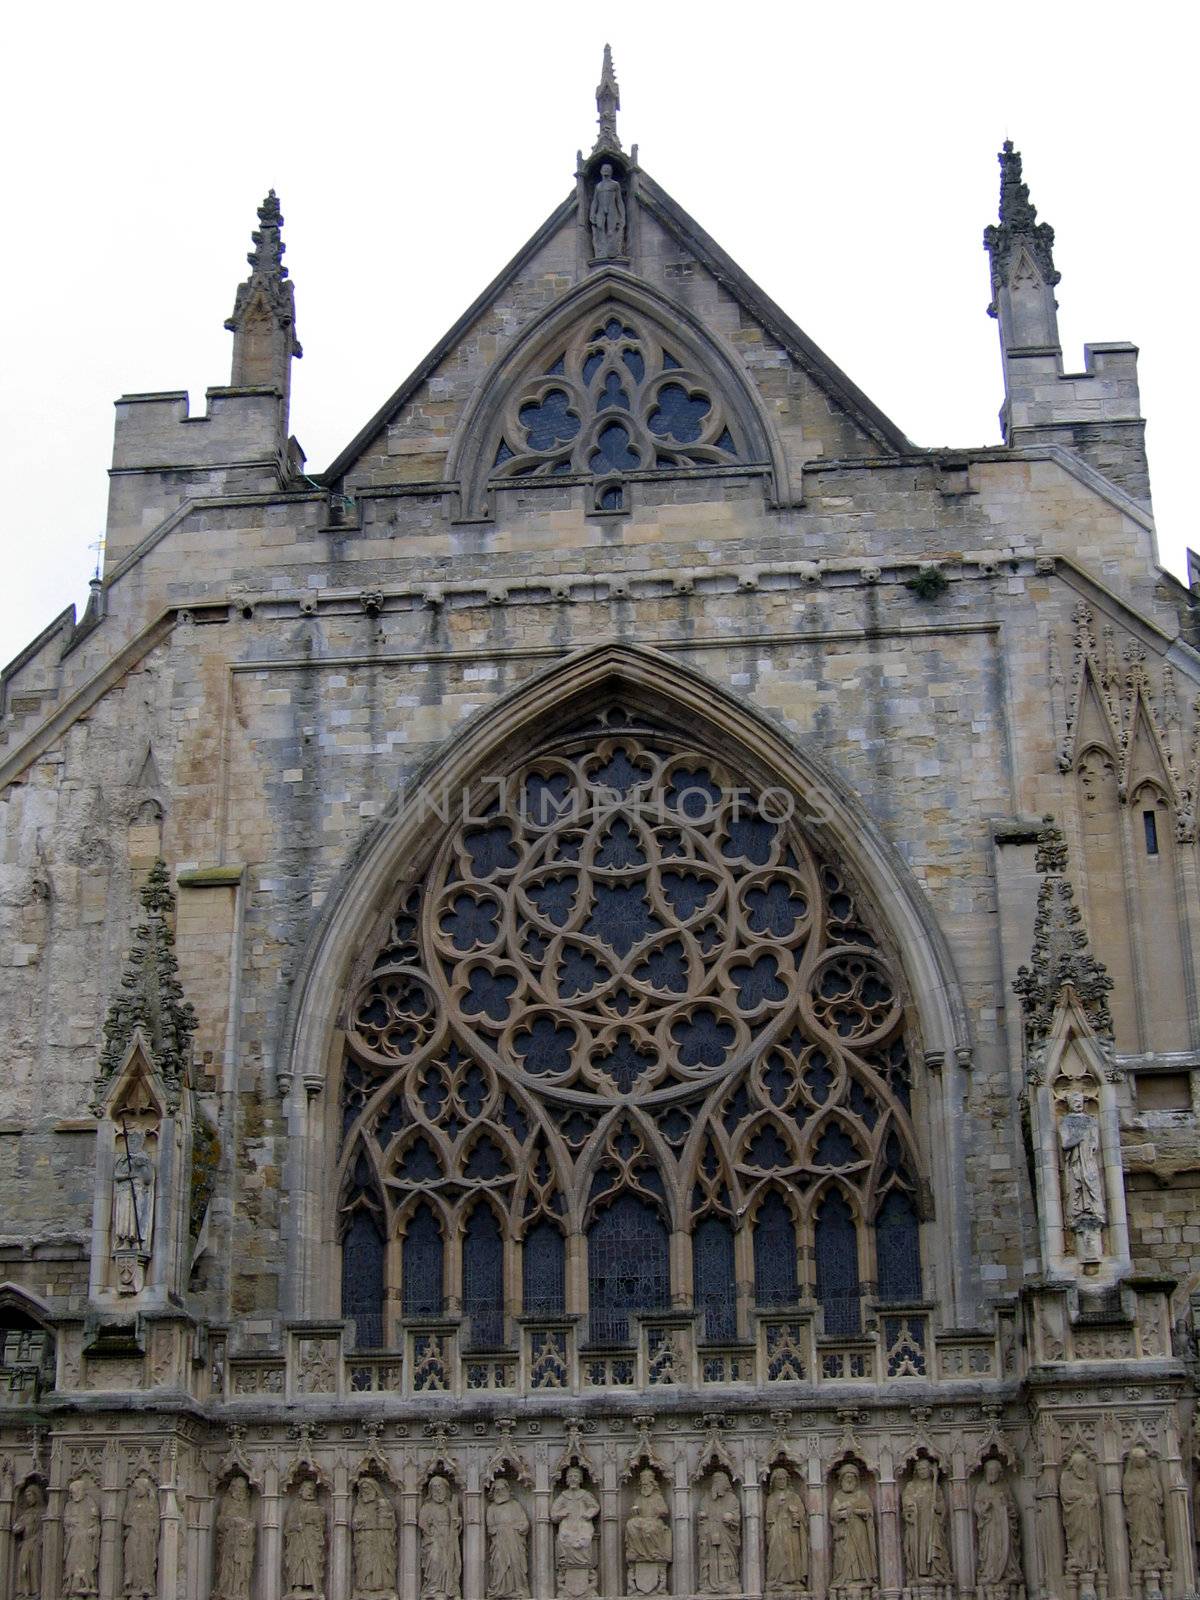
{"x": 836, "y": 1250}
{"x": 713, "y": 1280}
{"x": 629, "y": 1267}
{"x": 898, "y": 1250}
{"x": 362, "y": 1280}
{"x": 544, "y": 1269}
{"x": 774, "y": 1253}
{"x": 1150, "y": 823}
{"x": 423, "y": 1265}
{"x": 483, "y": 1280}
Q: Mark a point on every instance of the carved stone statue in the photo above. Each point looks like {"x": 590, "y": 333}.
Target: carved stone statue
{"x": 373, "y": 1543}
{"x": 304, "y": 1545}
{"x": 719, "y": 1529}
{"x": 607, "y": 216}
{"x": 923, "y": 1520}
{"x": 441, "y": 1550}
{"x": 855, "y": 1557}
{"x": 81, "y": 1540}
{"x": 1083, "y": 1177}
{"x": 507, "y": 1524}
{"x": 647, "y": 1538}
{"x": 573, "y": 1512}
{"x": 1080, "y": 1501}
{"x": 997, "y": 1533}
{"x": 787, "y": 1535}
{"x": 27, "y": 1532}
{"x": 133, "y": 1195}
{"x": 1142, "y": 1492}
{"x": 236, "y": 1535}
{"x": 139, "y": 1550}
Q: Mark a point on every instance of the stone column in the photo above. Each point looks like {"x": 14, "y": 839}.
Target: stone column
{"x": 612, "y": 1566}
{"x": 958, "y": 1500}
{"x": 200, "y": 1511}
{"x": 681, "y": 1579}
{"x": 891, "y": 1567}
{"x": 474, "y": 1580}
{"x": 816, "y": 1498}
{"x": 7, "y": 1487}
{"x": 52, "y": 1540}
{"x": 270, "y": 1544}
{"x": 542, "y": 1552}
{"x": 339, "y": 1543}
{"x": 171, "y": 1533}
{"x": 111, "y": 1498}
{"x": 1116, "y": 1549}
{"x": 1050, "y": 1547}
{"x": 410, "y": 1534}
{"x": 752, "y": 1545}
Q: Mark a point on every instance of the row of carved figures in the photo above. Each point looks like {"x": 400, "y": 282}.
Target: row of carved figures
{"x": 648, "y": 1536}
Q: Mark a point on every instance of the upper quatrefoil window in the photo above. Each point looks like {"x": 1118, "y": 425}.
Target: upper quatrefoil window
{"x": 616, "y": 400}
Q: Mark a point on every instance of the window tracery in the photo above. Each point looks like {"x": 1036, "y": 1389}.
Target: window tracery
{"x": 627, "y": 998}
{"x": 614, "y": 399}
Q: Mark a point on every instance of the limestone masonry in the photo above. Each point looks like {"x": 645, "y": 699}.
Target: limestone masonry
{"x": 602, "y": 998}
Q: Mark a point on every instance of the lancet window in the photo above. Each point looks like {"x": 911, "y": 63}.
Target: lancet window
{"x": 626, "y": 1000}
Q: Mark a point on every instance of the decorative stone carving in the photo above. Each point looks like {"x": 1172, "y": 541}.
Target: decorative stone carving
{"x": 373, "y": 1542}
{"x": 855, "y": 1558}
{"x": 81, "y": 1540}
{"x": 304, "y": 1545}
{"x": 27, "y": 1532}
{"x": 573, "y": 1511}
{"x": 923, "y": 1524}
{"x": 997, "y": 1536}
{"x": 1083, "y": 1176}
{"x": 787, "y": 1535}
{"x": 1142, "y": 1493}
{"x": 236, "y": 1536}
{"x": 440, "y": 1522}
{"x": 606, "y": 216}
{"x": 1079, "y": 1498}
{"x": 648, "y": 1546}
{"x": 139, "y": 1549}
{"x": 133, "y": 1190}
{"x": 507, "y": 1524}
{"x": 719, "y": 1532}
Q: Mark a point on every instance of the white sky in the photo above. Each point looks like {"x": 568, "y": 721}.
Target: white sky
{"x": 844, "y": 156}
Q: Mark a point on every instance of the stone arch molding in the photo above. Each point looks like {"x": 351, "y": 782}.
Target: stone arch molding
{"x": 472, "y": 452}
{"x": 657, "y": 687}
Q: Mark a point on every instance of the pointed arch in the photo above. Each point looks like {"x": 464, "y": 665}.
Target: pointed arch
{"x": 474, "y": 445}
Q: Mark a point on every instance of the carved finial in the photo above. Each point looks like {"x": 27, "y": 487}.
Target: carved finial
{"x": 263, "y": 322}
{"x": 608, "y": 103}
{"x": 1060, "y": 949}
{"x": 150, "y": 997}
{"x": 1018, "y": 227}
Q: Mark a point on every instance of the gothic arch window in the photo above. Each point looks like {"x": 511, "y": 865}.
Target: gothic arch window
{"x": 616, "y": 395}
{"x": 622, "y": 995}
{"x": 898, "y": 1249}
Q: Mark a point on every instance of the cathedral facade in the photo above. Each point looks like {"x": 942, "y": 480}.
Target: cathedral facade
{"x": 602, "y": 1000}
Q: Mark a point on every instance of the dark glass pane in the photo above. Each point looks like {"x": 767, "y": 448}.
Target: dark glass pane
{"x": 544, "y": 1272}
{"x": 775, "y": 1253}
{"x": 548, "y": 423}
{"x": 612, "y": 498}
{"x": 898, "y": 1249}
{"x": 614, "y": 451}
{"x": 612, "y": 394}
{"x": 679, "y": 414}
{"x": 628, "y": 1267}
{"x": 725, "y": 442}
{"x": 837, "y": 1265}
{"x": 362, "y": 1280}
{"x": 483, "y": 1279}
{"x": 423, "y": 1265}
{"x": 713, "y": 1282}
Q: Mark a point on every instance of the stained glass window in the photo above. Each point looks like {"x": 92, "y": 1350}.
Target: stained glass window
{"x": 422, "y": 1266}
{"x": 898, "y": 1249}
{"x": 362, "y": 1280}
{"x": 715, "y": 1290}
{"x": 628, "y": 1267}
{"x": 836, "y": 1249}
{"x": 543, "y": 1269}
{"x": 774, "y": 1253}
{"x": 483, "y": 1279}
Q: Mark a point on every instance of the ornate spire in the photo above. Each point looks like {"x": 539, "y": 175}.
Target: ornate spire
{"x": 1060, "y": 950}
{"x": 263, "y": 322}
{"x": 1018, "y": 226}
{"x": 608, "y": 103}
{"x": 150, "y": 997}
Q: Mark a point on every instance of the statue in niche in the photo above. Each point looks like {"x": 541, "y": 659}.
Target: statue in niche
{"x": 855, "y": 1562}
{"x": 1142, "y": 1493}
{"x": 1083, "y": 1188}
{"x": 236, "y": 1534}
{"x": 27, "y": 1532}
{"x": 648, "y": 1538}
{"x": 607, "y": 216}
{"x": 719, "y": 1526}
{"x": 997, "y": 1534}
{"x": 304, "y": 1545}
{"x": 787, "y": 1535}
{"x": 373, "y": 1543}
{"x": 139, "y": 1550}
{"x": 441, "y": 1551}
{"x": 573, "y": 1512}
{"x": 507, "y": 1524}
{"x": 81, "y": 1540}
{"x": 923, "y": 1520}
{"x": 132, "y": 1209}
{"x": 1079, "y": 1499}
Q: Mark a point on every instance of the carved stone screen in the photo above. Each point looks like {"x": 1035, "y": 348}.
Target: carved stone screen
{"x": 626, "y": 998}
